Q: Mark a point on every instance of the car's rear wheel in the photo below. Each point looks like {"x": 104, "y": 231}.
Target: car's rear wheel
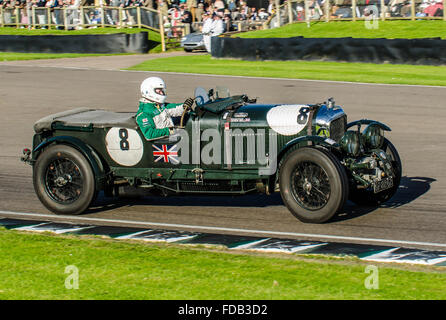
{"x": 63, "y": 180}
{"x": 367, "y": 197}
{"x": 313, "y": 184}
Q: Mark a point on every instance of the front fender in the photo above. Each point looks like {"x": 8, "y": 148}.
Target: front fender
{"x": 89, "y": 153}
{"x": 367, "y": 121}
{"x": 316, "y": 140}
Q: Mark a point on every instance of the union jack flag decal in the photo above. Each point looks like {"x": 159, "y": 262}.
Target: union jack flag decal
{"x": 165, "y": 153}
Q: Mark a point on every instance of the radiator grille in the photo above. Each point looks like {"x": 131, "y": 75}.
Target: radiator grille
{"x": 337, "y": 128}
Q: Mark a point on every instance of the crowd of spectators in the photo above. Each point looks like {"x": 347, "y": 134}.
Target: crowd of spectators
{"x": 192, "y": 12}
{"x": 175, "y": 11}
{"x": 94, "y": 13}
{"x": 391, "y": 8}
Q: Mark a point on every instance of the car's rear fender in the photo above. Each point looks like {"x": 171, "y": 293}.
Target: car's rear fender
{"x": 90, "y": 154}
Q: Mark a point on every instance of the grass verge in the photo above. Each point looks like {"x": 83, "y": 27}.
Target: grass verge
{"x": 338, "y": 29}
{"x": 14, "y": 56}
{"x": 336, "y": 71}
{"x": 33, "y": 267}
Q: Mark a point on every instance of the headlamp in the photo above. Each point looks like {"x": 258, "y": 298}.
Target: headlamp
{"x": 350, "y": 143}
{"x": 373, "y": 136}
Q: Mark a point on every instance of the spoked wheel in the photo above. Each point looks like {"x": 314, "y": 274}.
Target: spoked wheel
{"x": 64, "y": 180}
{"x": 367, "y": 197}
{"x": 310, "y": 186}
{"x": 313, "y": 184}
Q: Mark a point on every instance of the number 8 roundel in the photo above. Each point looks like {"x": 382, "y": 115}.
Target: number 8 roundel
{"x": 124, "y": 146}
{"x": 288, "y": 120}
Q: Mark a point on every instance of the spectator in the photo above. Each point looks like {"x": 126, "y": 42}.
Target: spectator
{"x": 232, "y": 5}
{"x": 253, "y": 14}
{"x": 192, "y": 7}
{"x": 217, "y": 25}
{"x": 207, "y": 31}
{"x": 199, "y": 12}
{"x": 435, "y": 9}
{"x": 227, "y": 23}
{"x": 7, "y": 11}
{"x": 163, "y": 8}
{"x": 115, "y": 12}
{"x": 263, "y": 15}
{"x": 41, "y": 12}
{"x": 399, "y": 8}
{"x": 150, "y": 15}
{"x": 219, "y": 4}
{"x": 186, "y": 19}
{"x": 73, "y": 13}
{"x": 244, "y": 10}
{"x": 271, "y": 7}
{"x": 175, "y": 20}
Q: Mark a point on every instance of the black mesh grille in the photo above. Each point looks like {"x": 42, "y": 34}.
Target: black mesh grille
{"x": 337, "y": 128}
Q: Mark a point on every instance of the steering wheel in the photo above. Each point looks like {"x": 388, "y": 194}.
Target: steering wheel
{"x": 185, "y": 111}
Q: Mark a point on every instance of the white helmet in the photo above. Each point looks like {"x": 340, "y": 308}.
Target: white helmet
{"x": 154, "y": 89}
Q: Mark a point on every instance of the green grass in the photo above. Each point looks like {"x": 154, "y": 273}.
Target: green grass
{"x": 33, "y": 267}
{"x": 154, "y": 37}
{"x": 337, "y": 71}
{"x": 338, "y": 29}
{"x": 13, "y": 56}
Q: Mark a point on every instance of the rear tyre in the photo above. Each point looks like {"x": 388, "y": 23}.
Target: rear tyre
{"x": 368, "y": 198}
{"x": 64, "y": 180}
{"x": 313, "y": 184}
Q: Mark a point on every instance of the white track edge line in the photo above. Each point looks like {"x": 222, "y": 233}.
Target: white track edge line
{"x": 267, "y": 232}
{"x": 231, "y": 76}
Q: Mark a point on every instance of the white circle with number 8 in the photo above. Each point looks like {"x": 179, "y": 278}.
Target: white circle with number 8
{"x": 124, "y": 146}
{"x": 288, "y": 120}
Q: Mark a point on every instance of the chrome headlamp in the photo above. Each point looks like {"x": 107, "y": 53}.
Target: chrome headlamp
{"x": 350, "y": 143}
{"x": 373, "y": 136}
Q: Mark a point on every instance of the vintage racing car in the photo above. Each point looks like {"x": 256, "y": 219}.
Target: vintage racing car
{"x": 223, "y": 145}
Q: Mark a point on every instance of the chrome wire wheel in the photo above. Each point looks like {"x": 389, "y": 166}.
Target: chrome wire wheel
{"x": 313, "y": 184}
{"x": 310, "y": 186}
{"x": 63, "y": 181}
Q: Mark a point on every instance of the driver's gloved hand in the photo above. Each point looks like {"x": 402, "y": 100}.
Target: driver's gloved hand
{"x": 188, "y": 103}
{"x": 171, "y": 130}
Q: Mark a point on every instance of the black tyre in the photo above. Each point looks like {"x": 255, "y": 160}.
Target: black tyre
{"x": 368, "y": 198}
{"x": 313, "y": 184}
{"x": 188, "y": 50}
{"x": 63, "y": 180}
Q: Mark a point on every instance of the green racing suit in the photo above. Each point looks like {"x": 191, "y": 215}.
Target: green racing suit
{"x": 155, "y": 121}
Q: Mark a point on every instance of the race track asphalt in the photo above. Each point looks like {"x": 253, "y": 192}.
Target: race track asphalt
{"x": 416, "y": 115}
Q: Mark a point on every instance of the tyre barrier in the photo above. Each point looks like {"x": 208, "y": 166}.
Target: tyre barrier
{"x": 398, "y": 51}
{"x": 89, "y": 43}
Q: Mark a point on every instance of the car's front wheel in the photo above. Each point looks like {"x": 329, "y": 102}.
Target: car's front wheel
{"x": 64, "y": 180}
{"x": 313, "y": 184}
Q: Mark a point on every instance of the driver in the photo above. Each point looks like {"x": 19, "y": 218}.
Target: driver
{"x": 154, "y": 116}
